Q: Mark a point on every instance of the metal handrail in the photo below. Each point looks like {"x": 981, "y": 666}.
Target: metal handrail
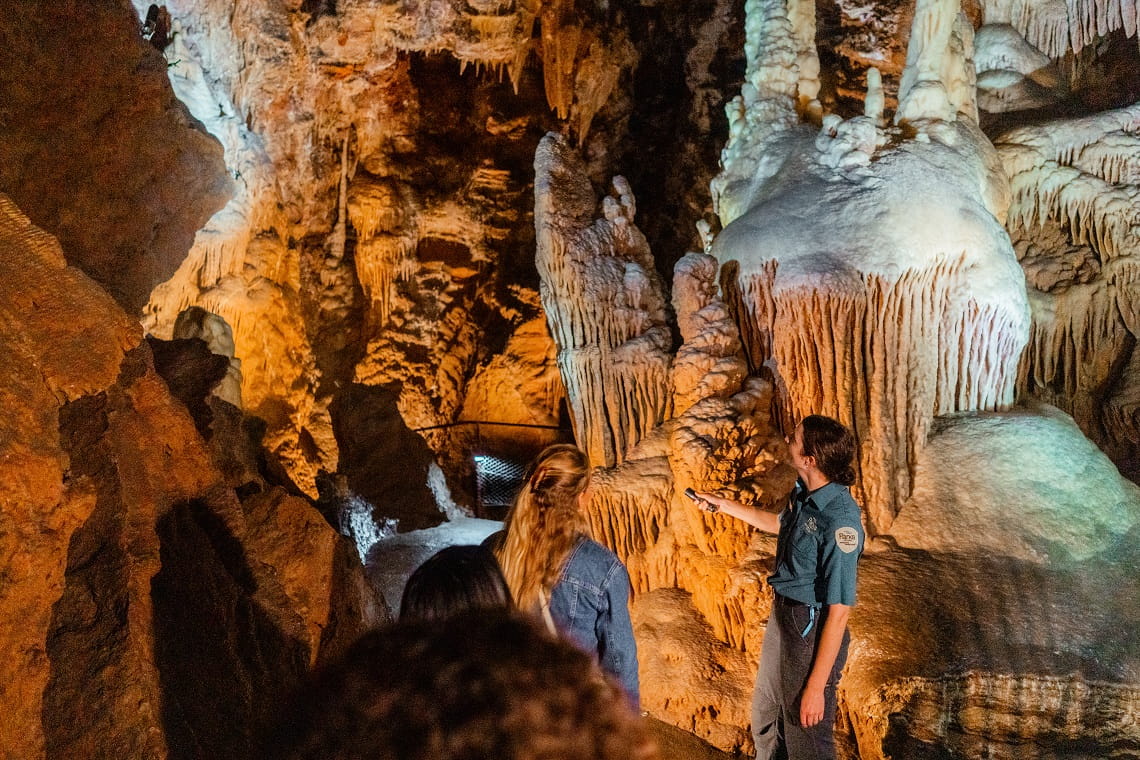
{"x": 489, "y": 422}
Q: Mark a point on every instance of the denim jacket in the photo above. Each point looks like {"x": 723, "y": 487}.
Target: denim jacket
{"x": 590, "y": 604}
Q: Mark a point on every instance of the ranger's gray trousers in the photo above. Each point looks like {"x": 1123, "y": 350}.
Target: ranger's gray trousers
{"x": 785, "y": 662}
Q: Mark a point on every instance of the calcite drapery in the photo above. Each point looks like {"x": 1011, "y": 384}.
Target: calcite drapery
{"x": 868, "y": 269}
{"x": 1054, "y": 28}
{"x": 1073, "y": 221}
{"x": 604, "y": 305}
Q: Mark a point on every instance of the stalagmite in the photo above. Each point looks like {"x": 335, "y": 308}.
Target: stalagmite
{"x": 710, "y": 362}
{"x": 874, "y": 101}
{"x": 604, "y": 305}
{"x": 902, "y": 298}
{"x": 721, "y": 439}
{"x": 938, "y": 81}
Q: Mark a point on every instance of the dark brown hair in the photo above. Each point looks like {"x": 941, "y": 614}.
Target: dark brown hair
{"x": 485, "y": 685}
{"x": 453, "y": 580}
{"x": 833, "y": 447}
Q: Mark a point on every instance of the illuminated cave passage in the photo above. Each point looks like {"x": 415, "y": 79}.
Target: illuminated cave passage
{"x": 282, "y": 285}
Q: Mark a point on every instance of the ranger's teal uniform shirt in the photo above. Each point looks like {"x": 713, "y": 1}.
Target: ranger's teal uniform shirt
{"x": 818, "y": 547}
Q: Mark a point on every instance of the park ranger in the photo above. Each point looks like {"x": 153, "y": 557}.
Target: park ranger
{"x": 820, "y": 538}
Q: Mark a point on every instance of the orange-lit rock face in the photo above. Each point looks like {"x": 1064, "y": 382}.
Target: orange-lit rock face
{"x": 98, "y": 151}
{"x": 368, "y": 233}
{"x": 63, "y": 339}
{"x": 133, "y": 571}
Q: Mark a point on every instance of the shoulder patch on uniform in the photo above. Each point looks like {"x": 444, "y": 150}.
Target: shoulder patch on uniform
{"x": 847, "y": 539}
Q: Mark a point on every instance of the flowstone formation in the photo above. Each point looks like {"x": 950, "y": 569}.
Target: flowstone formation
{"x": 1074, "y": 226}
{"x": 867, "y": 266}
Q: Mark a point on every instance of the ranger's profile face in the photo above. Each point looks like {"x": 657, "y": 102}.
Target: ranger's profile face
{"x": 803, "y": 464}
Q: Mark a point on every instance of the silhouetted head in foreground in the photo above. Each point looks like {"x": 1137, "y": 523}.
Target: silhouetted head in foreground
{"x": 454, "y": 580}
{"x": 487, "y": 685}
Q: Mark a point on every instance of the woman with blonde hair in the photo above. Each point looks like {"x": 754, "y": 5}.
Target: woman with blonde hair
{"x": 556, "y": 570}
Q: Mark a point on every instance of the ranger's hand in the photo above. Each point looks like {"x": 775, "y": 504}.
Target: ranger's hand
{"x": 707, "y": 502}
{"x": 811, "y": 706}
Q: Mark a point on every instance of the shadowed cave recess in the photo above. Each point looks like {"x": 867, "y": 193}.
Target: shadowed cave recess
{"x": 292, "y": 291}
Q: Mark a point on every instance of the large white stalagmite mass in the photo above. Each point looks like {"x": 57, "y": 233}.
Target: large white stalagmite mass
{"x": 998, "y": 619}
{"x": 604, "y": 304}
{"x": 868, "y": 266}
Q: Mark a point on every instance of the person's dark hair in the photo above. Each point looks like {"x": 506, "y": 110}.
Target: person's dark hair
{"x": 833, "y": 447}
{"x": 453, "y": 580}
{"x": 488, "y": 685}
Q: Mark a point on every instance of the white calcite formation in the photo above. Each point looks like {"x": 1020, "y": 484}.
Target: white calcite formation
{"x": 1075, "y": 229}
{"x": 212, "y": 330}
{"x": 604, "y": 304}
{"x": 997, "y": 618}
{"x": 1056, "y": 27}
{"x": 868, "y": 267}
{"x": 1012, "y": 74}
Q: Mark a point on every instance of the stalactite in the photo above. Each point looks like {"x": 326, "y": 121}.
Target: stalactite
{"x": 387, "y": 231}
{"x": 560, "y": 36}
{"x": 1057, "y": 27}
{"x": 1076, "y": 185}
{"x": 597, "y": 76}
